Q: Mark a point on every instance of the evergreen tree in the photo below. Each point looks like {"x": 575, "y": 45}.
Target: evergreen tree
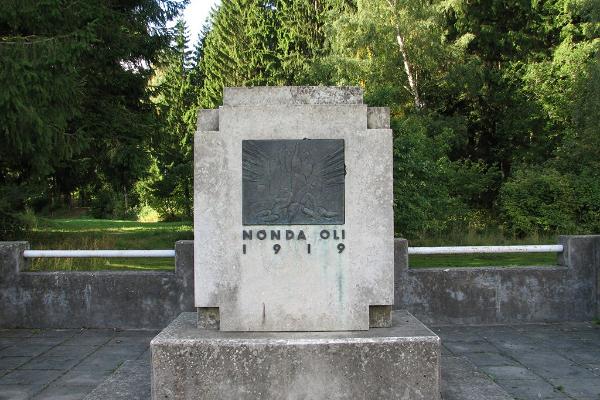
{"x": 265, "y": 42}
{"x": 302, "y": 37}
{"x": 76, "y": 110}
{"x": 239, "y": 49}
{"x": 503, "y": 123}
{"x": 175, "y": 96}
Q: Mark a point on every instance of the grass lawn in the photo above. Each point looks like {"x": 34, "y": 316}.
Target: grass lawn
{"x": 482, "y": 260}
{"x": 491, "y": 237}
{"x": 85, "y": 233}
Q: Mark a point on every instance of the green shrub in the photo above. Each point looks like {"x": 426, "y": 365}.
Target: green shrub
{"x": 12, "y": 205}
{"x": 120, "y": 212}
{"x": 10, "y": 226}
{"x": 587, "y": 199}
{"x": 147, "y": 214}
{"x": 28, "y": 219}
{"x": 103, "y": 204}
{"x": 538, "y": 200}
{"x": 107, "y": 204}
{"x": 423, "y": 202}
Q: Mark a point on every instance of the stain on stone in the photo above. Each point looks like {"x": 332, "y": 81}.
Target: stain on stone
{"x": 380, "y": 316}
{"x": 209, "y": 318}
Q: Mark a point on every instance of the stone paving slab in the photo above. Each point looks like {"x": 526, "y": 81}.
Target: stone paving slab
{"x": 63, "y": 364}
{"x": 17, "y": 333}
{"x": 63, "y": 392}
{"x": 83, "y": 378}
{"x": 506, "y": 372}
{"x": 532, "y": 389}
{"x": 462, "y": 381}
{"x": 525, "y": 362}
{"x": 579, "y": 388}
{"x": 25, "y": 350}
{"x": 51, "y": 362}
{"x": 8, "y": 341}
{"x": 19, "y": 392}
{"x": 491, "y": 359}
{"x": 130, "y": 382}
{"x": 12, "y": 362}
{"x": 28, "y": 377}
{"x": 533, "y": 361}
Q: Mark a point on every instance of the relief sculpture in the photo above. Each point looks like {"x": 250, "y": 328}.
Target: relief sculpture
{"x": 293, "y": 182}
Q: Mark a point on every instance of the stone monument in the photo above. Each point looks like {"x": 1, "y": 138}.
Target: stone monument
{"x": 294, "y": 258}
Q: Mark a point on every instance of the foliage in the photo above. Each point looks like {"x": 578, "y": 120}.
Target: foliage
{"x": 87, "y": 233}
{"x": 586, "y": 186}
{"x": 239, "y": 48}
{"x": 264, "y": 42}
{"x": 394, "y": 48}
{"x": 495, "y": 104}
{"x": 538, "y": 200}
{"x": 422, "y": 201}
{"x": 74, "y": 112}
{"x": 104, "y": 204}
{"x": 169, "y": 186}
{"x": 147, "y": 214}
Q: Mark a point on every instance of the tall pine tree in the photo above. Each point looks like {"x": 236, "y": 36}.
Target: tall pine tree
{"x": 175, "y": 98}
{"x": 75, "y": 110}
{"x": 239, "y": 49}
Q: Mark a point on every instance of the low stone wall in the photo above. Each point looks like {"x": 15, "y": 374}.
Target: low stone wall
{"x": 107, "y": 299}
{"x": 98, "y": 299}
{"x": 500, "y": 295}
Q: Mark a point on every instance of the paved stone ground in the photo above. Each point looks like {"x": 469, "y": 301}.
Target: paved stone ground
{"x": 64, "y": 364}
{"x": 542, "y": 361}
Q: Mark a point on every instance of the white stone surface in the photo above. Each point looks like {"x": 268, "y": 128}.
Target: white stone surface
{"x": 291, "y": 95}
{"x": 293, "y": 290}
{"x": 378, "y": 117}
{"x": 400, "y": 362}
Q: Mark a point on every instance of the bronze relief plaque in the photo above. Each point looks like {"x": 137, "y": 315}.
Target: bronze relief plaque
{"x": 293, "y": 182}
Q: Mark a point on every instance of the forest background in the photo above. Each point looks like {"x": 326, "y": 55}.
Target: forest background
{"x": 495, "y": 104}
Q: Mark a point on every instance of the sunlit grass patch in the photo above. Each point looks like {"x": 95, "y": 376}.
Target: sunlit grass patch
{"x": 93, "y": 234}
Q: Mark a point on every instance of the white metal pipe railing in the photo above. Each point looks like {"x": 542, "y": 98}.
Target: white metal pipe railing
{"x": 98, "y": 253}
{"x": 538, "y": 248}
{"x": 545, "y": 248}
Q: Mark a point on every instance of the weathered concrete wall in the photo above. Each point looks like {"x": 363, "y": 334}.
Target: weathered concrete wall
{"x": 106, "y": 299}
{"x": 568, "y": 291}
{"x": 99, "y": 299}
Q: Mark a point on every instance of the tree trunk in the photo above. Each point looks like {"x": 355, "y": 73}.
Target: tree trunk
{"x": 412, "y": 80}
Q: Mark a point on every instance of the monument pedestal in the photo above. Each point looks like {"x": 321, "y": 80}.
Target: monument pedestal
{"x": 401, "y": 362}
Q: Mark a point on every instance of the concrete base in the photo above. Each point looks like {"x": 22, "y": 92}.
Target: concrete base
{"x": 401, "y": 362}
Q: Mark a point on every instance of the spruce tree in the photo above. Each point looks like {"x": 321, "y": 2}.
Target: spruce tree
{"x": 239, "y": 49}
{"x": 174, "y": 97}
{"x": 74, "y": 111}
{"x": 302, "y": 36}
